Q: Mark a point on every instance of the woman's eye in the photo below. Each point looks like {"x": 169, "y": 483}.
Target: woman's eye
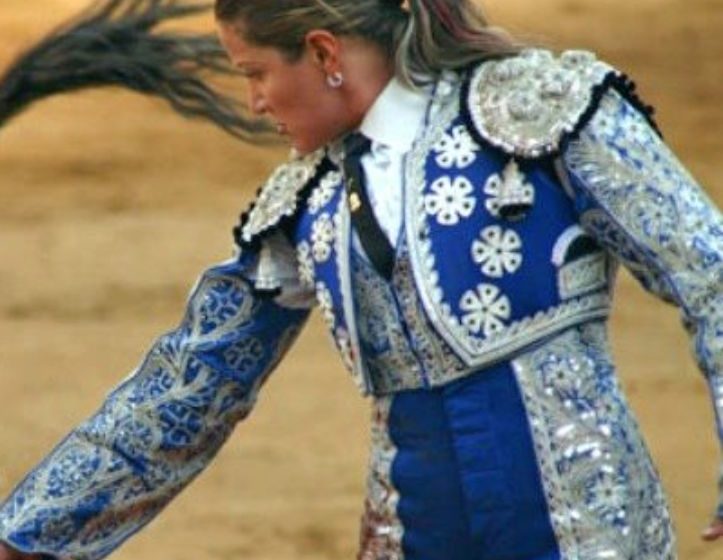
{"x": 251, "y": 74}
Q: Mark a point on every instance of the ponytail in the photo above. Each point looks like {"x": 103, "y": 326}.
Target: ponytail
{"x": 447, "y": 35}
{"x": 425, "y": 37}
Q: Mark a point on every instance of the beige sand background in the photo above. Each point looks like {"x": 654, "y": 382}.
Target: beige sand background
{"x": 110, "y": 205}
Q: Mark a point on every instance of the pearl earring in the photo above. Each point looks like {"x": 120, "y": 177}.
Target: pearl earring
{"x": 335, "y": 80}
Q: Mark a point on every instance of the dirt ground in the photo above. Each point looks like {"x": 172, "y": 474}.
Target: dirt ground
{"x": 111, "y": 204}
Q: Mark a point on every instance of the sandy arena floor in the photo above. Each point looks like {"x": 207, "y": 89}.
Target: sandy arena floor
{"x": 111, "y": 204}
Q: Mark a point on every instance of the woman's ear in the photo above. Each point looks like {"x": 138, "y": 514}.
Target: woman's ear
{"x": 325, "y": 49}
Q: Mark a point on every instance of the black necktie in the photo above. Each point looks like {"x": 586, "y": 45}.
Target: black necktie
{"x": 370, "y": 233}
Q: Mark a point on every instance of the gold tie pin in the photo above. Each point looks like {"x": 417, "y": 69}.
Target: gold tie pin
{"x": 354, "y": 201}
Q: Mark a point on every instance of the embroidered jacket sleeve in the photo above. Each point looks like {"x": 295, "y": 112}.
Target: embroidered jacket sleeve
{"x": 641, "y": 204}
{"x": 162, "y": 426}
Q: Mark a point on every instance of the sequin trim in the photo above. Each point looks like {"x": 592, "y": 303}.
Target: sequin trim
{"x": 388, "y": 358}
{"x": 603, "y": 492}
{"x": 643, "y": 206}
{"x": 525, "y": 105}
{"x": 586, "y": 274}
{"x": 342, "y": 245}
{"x": 158, "y": 430}
{"x": 381, "y": 529}
{"x": 278, "y": 198}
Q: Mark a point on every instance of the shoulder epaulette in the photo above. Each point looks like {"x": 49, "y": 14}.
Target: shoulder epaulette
{"x": 279, "y": 198}
{"x": 528, "y": 105}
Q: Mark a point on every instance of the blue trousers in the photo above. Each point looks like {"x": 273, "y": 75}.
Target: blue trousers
{"x": 462, "y": 470}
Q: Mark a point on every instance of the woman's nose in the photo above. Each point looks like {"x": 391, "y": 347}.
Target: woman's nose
{"x": 256, "y": 102}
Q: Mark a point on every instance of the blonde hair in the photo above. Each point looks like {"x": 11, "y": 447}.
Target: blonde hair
{"x": 425, "y": 38}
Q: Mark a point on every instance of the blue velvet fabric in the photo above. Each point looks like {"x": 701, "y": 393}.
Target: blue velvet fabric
{"x": 533, "y": 287}
{"x": 467, "y": 474}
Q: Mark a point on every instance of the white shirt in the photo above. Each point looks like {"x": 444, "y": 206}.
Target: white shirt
{"x": 392, "y": 123}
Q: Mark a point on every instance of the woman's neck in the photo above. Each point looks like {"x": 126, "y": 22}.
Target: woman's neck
{"x": 367, "y": 71}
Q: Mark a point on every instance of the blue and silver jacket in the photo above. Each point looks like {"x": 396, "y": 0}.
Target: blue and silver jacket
{"x": 564, "y": 138}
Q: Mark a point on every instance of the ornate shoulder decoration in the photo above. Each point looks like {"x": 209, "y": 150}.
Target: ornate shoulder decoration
{"x": 278, "y": 199}
{"x": 530, "y": 104}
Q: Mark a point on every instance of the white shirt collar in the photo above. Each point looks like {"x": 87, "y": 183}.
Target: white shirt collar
{"x": 395, "y": 117}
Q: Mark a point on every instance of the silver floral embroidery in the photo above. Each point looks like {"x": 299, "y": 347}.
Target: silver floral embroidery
{"x": 306, "y": 263}
{"x": 608, "y": 235}
{"x": 526, "y": 104}
{"x": 438, "y": 361}
{"x": 382, "y": 530}
{"x": 342, "y": 245}
{"x": 450, "y": 200}
{"x": 456, "y": 149}
{"x": 278, "y": 196}
{"x": 645, "y": 217}
{"x": 602, "y": 489}
{"x": 583, "y": 275}
{"x": 475, "y": 351}
{"x": 497, "y": 251}
{"x": 646, "y": 208}
{"x": 322, "y": 238}
{"x": 389, "y": 360}
{"x": 326, "y": 304}
{"x": 485, "y": 309}
{"x": 324, "y": 191}
{"x": 157, "y": 430}
{"x": 402, "y": 349}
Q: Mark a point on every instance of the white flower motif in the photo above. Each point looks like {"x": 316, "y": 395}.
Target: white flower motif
{"x": 306, "y": 263}
{"x": 456, "y": 149}
{"x": 493, "y": 190}
{"x": 322, "y": 238}
{"x": 606, "y": 493}
{"x": 497, "y": 251}
{"x": 326, "y": 304}
{"x": 324, "y": 191}
{"x": 450, "y": 200}
{"x": 486, "y": 309}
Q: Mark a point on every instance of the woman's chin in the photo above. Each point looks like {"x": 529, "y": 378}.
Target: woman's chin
{"x": 302, "y": 148}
